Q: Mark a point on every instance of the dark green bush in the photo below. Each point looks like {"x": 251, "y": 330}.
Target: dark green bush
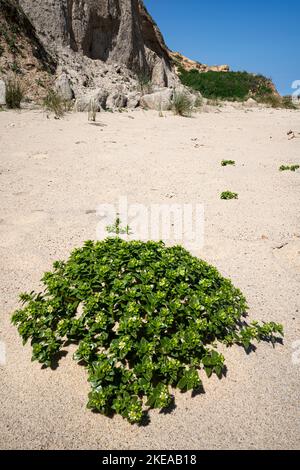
{"x": 145, "y": 317}
{"x": 226, "y": 85}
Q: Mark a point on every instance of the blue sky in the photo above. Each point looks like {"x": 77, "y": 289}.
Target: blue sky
{"x": 261, "y": 36}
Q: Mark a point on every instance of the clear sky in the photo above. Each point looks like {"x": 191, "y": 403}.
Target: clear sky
{"x": 261, "y": 36}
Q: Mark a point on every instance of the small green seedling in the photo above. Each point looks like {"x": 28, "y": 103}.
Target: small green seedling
{"x": 289, "y": 167}
{"x": 117, "y": 228}
{"x": 227, "y": 162}
{"x": 229, "y": 195}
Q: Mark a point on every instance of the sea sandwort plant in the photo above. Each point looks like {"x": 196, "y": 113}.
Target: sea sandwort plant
{"x": 227, "y": 195}
{"x": 227, "y": 162}
{"x": 146, "y": 318}
{"x": 289, "y": 167}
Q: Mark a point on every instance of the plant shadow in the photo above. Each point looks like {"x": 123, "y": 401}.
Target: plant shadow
{"x": 198, "y": 391}
{"x": 55, "y": 360}
{"x": 224, "y": 372}
{"x": 170, "y": 408}
{"x": 145, "y": 421}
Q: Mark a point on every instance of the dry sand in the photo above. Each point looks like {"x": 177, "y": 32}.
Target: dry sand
{"x": 53, "y": 174}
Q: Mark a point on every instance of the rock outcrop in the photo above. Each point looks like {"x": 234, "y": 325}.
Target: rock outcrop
{"x": 159, "y": 100}
{"x": 63, "y": 87}
{"x": 111, "y": 31}
{"x": 21, "y": 51}
{"x": 187, "y": 64}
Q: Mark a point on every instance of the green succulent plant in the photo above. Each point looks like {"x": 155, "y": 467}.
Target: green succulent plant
{"x": 229, "y": 195}
{"x": 145, "y": 317}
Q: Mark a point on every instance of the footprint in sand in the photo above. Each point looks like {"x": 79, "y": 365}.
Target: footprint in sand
{"x": 30, "y": 219}
{"x": 15, "y": 228}
{"x": 27, "y": 220}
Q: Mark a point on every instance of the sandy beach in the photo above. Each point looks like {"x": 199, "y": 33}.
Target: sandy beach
{"x": 54, "y": 174}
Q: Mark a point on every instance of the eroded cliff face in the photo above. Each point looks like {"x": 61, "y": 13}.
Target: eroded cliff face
{"x": 113, "y": 31}
{"x": 21, "y": 51}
